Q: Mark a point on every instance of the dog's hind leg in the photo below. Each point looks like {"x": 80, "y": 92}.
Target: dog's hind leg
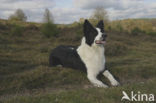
{"x": 54, "y": 61}
{"x": 108, "y": 75}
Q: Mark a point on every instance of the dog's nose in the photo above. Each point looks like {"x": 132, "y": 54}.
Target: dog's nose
{"x": 104, "y": 35}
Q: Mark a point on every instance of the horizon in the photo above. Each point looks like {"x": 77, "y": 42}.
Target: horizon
{"x": 69, "y": 11}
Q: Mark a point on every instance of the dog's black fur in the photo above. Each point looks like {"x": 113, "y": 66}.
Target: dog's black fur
{"x": 66, "y": 56}
{"x": 89, "y": 32}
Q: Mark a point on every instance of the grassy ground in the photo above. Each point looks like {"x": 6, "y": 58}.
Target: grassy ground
{"x": 25, "y": 76}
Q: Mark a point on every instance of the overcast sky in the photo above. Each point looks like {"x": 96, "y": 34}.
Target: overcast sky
{"x": 68, "y": 11}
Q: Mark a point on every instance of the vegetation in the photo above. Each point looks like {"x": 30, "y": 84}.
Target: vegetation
{"x": 99, "y": 14}
{"x": 17, "y": 30}
{"x": 136, "y": 31}
{"x": 27, "y": 78}
{"x": 19, "y": 15}
{"x": 130, "y": 26}
{"x": 49, "y": 29}
{"x": 127, "y": 26}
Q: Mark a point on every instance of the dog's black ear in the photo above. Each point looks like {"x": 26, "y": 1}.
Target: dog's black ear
{"x": 89, "y": 32}
{"x": 101, "y": 26}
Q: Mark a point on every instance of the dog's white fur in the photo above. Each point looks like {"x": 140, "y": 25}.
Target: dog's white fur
{"x": 111, "y": 78}
{"x": 94, "y": 60}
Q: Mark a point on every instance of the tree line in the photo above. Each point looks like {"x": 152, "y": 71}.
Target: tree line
{"x": 99, "y": 13}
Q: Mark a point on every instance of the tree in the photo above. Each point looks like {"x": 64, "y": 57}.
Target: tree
{"x": 19, "y": 15}
{"x": 48, "y": 16}
{"x": 49, "y": 29}
{"x": 100, "y": 14}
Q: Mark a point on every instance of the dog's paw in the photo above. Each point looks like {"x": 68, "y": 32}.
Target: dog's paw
{"x": 101, "y": 85}
{"x": 115, "y": 83}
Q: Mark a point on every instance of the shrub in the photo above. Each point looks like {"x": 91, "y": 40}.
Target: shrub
{"x": 109, "y": 28}
{"x": 152, "y": 33}
{"x": 32, "y": 27}
{"x": 119, "y": 28}
{"x": 135, "y": 26}
{"x": 17, "y": 30}
{"x": 49, "y": 30}
{"x": 136, "y": 31}
{"x": 2, "y": 26}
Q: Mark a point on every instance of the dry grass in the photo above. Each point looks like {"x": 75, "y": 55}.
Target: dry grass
{"x": 26, "y": 77}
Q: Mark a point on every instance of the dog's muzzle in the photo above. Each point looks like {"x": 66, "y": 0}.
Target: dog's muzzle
{"x": 100, "y": 42}
{"x": 102, "y": 39}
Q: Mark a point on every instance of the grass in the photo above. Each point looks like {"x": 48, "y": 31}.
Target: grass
{"x": 90, "y": 95}
{"x": 26, "y": 77}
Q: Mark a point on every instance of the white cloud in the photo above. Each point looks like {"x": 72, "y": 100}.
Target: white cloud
{"x": 141, "y": 11}
{"x": 68, "y": 11}
{"x": 121, "y": 9}
{"x": 116, "y": 4}
{"x": 68, "y": 15}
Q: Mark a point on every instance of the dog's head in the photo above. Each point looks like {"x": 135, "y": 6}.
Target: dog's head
{"x": 94, "y": 36}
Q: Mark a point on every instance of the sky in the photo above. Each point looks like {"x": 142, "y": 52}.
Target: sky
{"x": 68, "y": 11}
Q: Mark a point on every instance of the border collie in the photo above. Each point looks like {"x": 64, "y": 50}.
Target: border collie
{"x": 89, "y": 56}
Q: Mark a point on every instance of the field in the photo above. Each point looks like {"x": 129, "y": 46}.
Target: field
{"x": 25, "y": 76}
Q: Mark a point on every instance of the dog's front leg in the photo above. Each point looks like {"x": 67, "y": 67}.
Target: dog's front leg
{"x": 92, "y": 78}
{"x": 108, "y": 75}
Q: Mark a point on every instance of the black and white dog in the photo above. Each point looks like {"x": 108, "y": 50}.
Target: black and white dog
{"x": 89, "y": 56}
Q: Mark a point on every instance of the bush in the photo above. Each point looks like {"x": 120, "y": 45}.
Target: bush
{"x": 109, "y": 28}
{"x": 152, "y": 33}
{"x": 32, "y": 27}
{"x": 134, "y": 26}
{"x": 17, "y": 30}
{"x": 119, "y": 28}
{"x": 136, "y": 31}
{"x": 49, "y": 30}
{"x": 2, "y": 26}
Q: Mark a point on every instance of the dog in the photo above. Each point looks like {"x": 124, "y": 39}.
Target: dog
{"x": 89, "y": 56}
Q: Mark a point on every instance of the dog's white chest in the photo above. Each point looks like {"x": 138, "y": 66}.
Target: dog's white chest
{"x": 92, "y": 57}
